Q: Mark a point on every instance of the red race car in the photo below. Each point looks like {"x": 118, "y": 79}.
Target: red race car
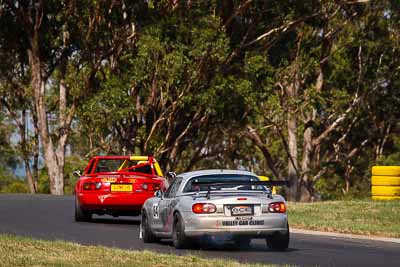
{"x": 116, "y": 185}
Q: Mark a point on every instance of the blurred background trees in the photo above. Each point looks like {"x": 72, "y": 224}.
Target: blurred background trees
{"x": 300, "y": 90}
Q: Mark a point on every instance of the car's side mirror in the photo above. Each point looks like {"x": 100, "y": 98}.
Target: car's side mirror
{"x": 158, "y": 194}
{"x": 77, "y": 173}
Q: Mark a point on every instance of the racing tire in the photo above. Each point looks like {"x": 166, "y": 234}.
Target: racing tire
{"x": 179, "y": 239}
{"x": 382, "y": 190}
{"x": 386, "y": 170}
{"x": 147, "y": 234}
{"x": 385, "y": 180}
{"x": 279, "y": 241}
{"x": 80, "y": 214}
{"x": 385, "y": 198}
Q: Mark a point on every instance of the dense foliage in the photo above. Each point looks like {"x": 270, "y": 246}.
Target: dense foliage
{"x": 299, "y": 90}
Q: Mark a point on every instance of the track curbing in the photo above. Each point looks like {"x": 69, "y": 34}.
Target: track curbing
{"x": 341, "y": 235}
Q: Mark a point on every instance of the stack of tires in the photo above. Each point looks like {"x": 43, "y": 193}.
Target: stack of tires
{"x": 385, "y": 182}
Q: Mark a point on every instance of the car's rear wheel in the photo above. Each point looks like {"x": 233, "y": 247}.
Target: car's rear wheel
{"x": 80, "y": 214}
{"x": 279, "y": 241}
{"x": 178, "y": 233}
{"x": 147, "y": 235}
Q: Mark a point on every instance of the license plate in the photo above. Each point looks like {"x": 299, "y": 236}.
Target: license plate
{"x": 242, "y": 210}
{"x": 121, "y": 188}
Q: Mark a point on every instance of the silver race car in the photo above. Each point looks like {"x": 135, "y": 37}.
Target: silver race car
{"x": 210, "y": 203}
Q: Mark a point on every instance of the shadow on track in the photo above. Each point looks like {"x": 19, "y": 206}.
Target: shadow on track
{"x": 227, "y": 246}
{"x": 111, "y": 220}
{"x": 206, "y": 244}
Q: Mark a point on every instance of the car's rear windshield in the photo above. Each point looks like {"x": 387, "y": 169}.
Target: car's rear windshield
{"x": 221, "y": 178}
{"x": 121, "y": 165}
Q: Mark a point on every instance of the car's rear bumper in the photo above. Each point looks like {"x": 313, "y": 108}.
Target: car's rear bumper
{"x": 112, "y": 201}
{"x": 255, "y": 226}
{"x": 235, "y": 232}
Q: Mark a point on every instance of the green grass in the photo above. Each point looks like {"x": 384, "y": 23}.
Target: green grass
{"x": 381, "y": 218}
{"x": 19, "y": 251}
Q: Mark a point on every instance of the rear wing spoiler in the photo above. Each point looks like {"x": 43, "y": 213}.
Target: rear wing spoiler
{"x": 238, "y": 183}
{"x": 233, "y": 183}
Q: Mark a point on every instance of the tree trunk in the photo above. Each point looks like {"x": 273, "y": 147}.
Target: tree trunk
{"x": 29, "y": 177}
{"x": 36, "y": 147}
{"x": 20, "y": 121}
{"x": 38, "y": 85}
{"x": 256, "y": 139}
{"x": 305, "y": 164}
{"x": 292, "y": 161}
{"x": 347, "y": 177}
{"x": 291, "y": 91}
{"x": 307, "y": 191}
{"x": 25, "y": 155}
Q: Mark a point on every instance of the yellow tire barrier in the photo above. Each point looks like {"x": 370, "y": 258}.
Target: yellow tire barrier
{"x": 386, "y": 170}
{"x": 385, "y": 180}
{"x": 385, "y": 198}
{"x": 383, "y": 190}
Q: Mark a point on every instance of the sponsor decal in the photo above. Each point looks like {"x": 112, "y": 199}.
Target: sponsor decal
{"x": 102, "y": 198}
{"x": 242, "y": 223}
{"x": 156, "y": 214}
{"x": 109, "y": 180}
{"x": 243, "y": 218}
{"x": 242, "y": 210}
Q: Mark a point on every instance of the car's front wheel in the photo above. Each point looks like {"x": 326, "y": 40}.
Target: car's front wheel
{"x": 80, "y": 214}
{"x": 178, "y": 233}
{"x": 147, "y": 235}
{"x": 279, "y": 241}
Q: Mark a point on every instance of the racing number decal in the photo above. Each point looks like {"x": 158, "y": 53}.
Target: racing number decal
{"x": 155, "y": 211}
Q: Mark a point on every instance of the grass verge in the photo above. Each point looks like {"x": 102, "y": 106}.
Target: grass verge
{"x": 367, "y": 217}
{"x": 20, "y": 251}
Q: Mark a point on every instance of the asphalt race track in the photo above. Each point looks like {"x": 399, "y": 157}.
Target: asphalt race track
{"x": 51, "y": 217}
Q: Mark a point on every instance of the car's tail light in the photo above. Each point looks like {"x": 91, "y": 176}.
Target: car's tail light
{"x": 277, "y": 207}
{"x": 204, "y": 208}
{"x": 145, "y": 186}
{"x": 92, "y": 186}
{"x": 150, "y": 186}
